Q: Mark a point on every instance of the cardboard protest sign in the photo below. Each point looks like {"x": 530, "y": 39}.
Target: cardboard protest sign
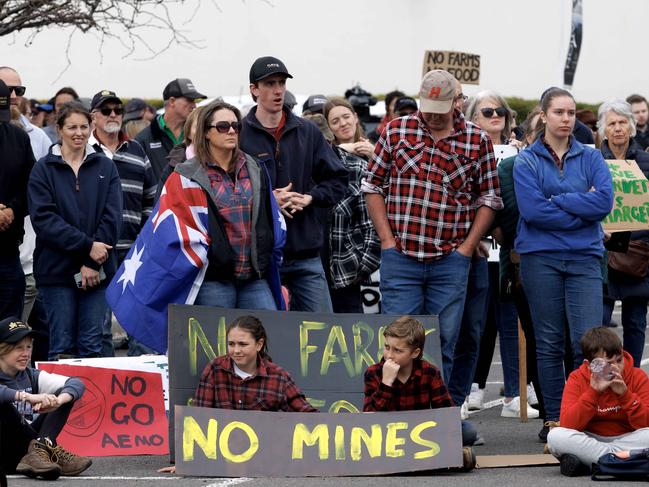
{"x": 230, "y": 443}
{"x": 503, "y": 151}
{"x": 464, "y": 66}
{"x": 326, "y": 354}
{"x": 121, "y": 412}
{"x": 631, "y": 203}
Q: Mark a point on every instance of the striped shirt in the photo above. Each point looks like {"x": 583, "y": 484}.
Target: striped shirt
{"x": 432, "y": 189}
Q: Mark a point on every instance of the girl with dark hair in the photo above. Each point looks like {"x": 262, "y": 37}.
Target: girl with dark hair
{"x": 563, "y": 190}
{"x": 246, "y": 378}
{"x": 75, "y": 204}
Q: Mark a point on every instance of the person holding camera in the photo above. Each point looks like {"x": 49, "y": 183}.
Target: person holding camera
{"x": 75, "y": 204}
{"x": 605, "y": 405}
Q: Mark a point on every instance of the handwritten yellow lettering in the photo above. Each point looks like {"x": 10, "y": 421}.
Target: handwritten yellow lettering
{"x": 328, "y": 357}
{"x": 224, "y": 443}
{"x": 339, "y": 443}
{"x": 362, "y": 358}
{"x": 373, "y": 442}
{"x": 392, "y": 441}
{"x": 192, "y": 433}
{"x": 195, "y": 336}
{"x": 342, "y": 405}
{"x": 302, "y": 436}
{"x": 306, "y": 349}
{"x": 415, "y": 436}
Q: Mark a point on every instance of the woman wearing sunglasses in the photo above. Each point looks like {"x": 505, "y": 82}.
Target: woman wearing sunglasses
{"x": 491, "y": 112}
{"x": 75, "y": 204}
{"x": 242, "y": 255}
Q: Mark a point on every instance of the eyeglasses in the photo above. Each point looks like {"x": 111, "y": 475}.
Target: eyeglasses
{"x": 224, "y": 127}
{"x": 489, "y": 112}
{"x": 18, "y": 90}
{"x": 105, "y": 111}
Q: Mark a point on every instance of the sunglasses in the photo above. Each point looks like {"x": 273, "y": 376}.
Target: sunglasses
{"x": 105, "y": 111}
{"x": 18, "y": 90}
{"x": 224, "y": 127}
{"x": 489, "y": 112}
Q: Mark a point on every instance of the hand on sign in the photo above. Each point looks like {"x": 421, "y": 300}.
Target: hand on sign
{"x": 390, "y": 372}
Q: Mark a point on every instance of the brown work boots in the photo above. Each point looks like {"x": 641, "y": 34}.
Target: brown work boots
{"x": 49, "y": 462}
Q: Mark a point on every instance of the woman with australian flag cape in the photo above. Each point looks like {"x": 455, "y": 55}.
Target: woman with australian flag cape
{"x": 215, "y": 237}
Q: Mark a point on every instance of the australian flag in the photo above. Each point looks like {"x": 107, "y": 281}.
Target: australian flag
{"x": 167, "y": 263}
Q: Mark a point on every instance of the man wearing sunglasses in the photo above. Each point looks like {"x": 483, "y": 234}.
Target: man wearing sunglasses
{"x": 306, "y": 175}
{"x": 135, "y": 173}
{"x": 166, "y": 130}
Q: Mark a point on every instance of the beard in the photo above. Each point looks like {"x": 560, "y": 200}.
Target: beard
{"x": 112, "y": 127}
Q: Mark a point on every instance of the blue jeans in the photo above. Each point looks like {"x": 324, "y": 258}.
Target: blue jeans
{"x": 12, "y": 286}
{"x": 107, "y": 348}
{"x": 76, "y": 319}
{"x": 559, "y": 290}
{"x": 507, "y": 323}
{"x": 236, "y": 294}
{"x": 411, "y": 287}
{"x": 468, "y": 341}
{"x": 634, "y": 324}
{"x": 307, "y": 284}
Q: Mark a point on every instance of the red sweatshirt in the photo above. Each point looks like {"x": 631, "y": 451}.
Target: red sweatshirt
{"x": 606, "y": 413}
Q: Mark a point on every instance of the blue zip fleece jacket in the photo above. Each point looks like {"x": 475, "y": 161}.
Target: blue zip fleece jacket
{"x": 69, "y": 213}
{"x": 558, "y": 212}
{"x": 302, "y": 157}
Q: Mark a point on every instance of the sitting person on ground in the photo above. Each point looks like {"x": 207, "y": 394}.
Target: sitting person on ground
{"x": 402, "y": 380}
{"x": 603, "y": 410}
{"x": 246, "y": 378}
{"x": 29, "y": 445}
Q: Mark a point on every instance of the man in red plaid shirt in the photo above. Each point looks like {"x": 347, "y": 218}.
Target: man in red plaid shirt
{"x": 432, "y": 191}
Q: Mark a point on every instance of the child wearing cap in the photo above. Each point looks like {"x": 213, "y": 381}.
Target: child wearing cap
{"x": 403, "y": 381}
{"x": 602, "y": 411}
{"x": 34, "y": 407}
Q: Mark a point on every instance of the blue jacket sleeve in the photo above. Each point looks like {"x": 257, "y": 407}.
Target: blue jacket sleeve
{"x": 592, "y": 206}
{"x": 328, "y": 172}
{"x": 48, "y": 224}
{"x": 533, "y": 206}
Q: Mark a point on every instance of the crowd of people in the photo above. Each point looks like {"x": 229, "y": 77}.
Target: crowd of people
{"x": 416, "y": 198}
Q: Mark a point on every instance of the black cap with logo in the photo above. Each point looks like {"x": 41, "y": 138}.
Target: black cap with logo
{"x": 266, "y": 66}
{"x": 314, "y": 104}
{"x": 102, "y": 97}
{"x": 12, "y": 330}
{"x": 181, "y": 87}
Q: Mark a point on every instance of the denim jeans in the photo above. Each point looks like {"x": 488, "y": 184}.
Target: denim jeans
{"x": 634, "y": 324}
{"x": 12, "y": 286}
{"x": 507, "y": 324}
{"x": 558, "y": 290}
{"x": 467, "y": 347}
{"x": 107, "y": 348}
{"x": 307, "y": 285}
{"x": 236, "y": 294}
{"x": 76, "y": 319}
{"x": 411, "y": 287}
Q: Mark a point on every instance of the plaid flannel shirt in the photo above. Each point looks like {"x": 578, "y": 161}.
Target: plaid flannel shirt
{"x": 234, "y": 201}
{"x": 424, "y": 389}
{"x": 270, "y": 389}
{"x": 355, "y": 248}
{"x": 433, "y": 189}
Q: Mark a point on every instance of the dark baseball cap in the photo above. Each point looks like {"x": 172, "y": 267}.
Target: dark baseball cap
{"x": 266, "y": 66}
{"x": 405, "y": 102}
{"x": 12, "y": 330}
{"x": 314, "y": 104}
{"x": 5, "y": 102}
{"x": 133, "y": 109}
{"x": 102, "y": 97}
{"x": 181, "y": 87}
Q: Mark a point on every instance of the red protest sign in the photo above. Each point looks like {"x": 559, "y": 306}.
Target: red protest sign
{"x": 122, "y": 412}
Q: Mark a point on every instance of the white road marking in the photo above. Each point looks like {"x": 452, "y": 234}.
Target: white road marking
{"x": 229, "y": 482}
{"x": 644, "y": 362}
{"x": 223, "y": 483}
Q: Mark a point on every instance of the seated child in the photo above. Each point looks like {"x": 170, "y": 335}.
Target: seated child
{"x": 403, "y": 380}
{"x": 28, "y": 445}
{"x": 601, "y": 413}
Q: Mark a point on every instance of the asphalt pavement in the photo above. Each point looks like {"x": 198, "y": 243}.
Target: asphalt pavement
{"x": 503, "y": 436}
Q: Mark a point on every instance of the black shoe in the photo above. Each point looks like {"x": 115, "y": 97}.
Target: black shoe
{"x": 611, "y": 324}
{"x": 547, "y": 426}
{"x": 571, "y": 466}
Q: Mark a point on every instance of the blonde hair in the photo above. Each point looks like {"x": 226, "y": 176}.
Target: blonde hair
{"x": 409, "y": 329}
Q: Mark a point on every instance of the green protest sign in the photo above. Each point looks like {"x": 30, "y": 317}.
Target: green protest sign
{"x": 631, "y": 204}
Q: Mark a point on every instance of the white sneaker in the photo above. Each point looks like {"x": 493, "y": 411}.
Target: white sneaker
{"x": 464, "y": 411}
{"x": 532, "y": 400}
{"x": 476, "y": 398}
{"x": 513, "y": 409}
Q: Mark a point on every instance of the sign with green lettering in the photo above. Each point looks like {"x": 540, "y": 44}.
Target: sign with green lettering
{"x": 326, "y": 354}
{"x": 229, "y": 443}
{"x": 631, "y": 204}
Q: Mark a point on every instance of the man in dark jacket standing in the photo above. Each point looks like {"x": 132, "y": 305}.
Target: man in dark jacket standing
{"x": 17, "y": 159}
{"x": 166, "y": 130}
{"x": 307, "y": 176}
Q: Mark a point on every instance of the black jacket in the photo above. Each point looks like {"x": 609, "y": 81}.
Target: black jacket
{"x": 157, "y": 146}
{"x": 16, "y": 162}
{"x": 302, "y": 157}
{"x": 220, "y": 255}
{"x": 642, "y": 139}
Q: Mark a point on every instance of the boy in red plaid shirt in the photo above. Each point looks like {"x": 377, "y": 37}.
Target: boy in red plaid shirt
{"x": 403, "y": 381}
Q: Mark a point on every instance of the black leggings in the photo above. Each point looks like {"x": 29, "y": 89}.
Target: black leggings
{"x": 15, "y": 435}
